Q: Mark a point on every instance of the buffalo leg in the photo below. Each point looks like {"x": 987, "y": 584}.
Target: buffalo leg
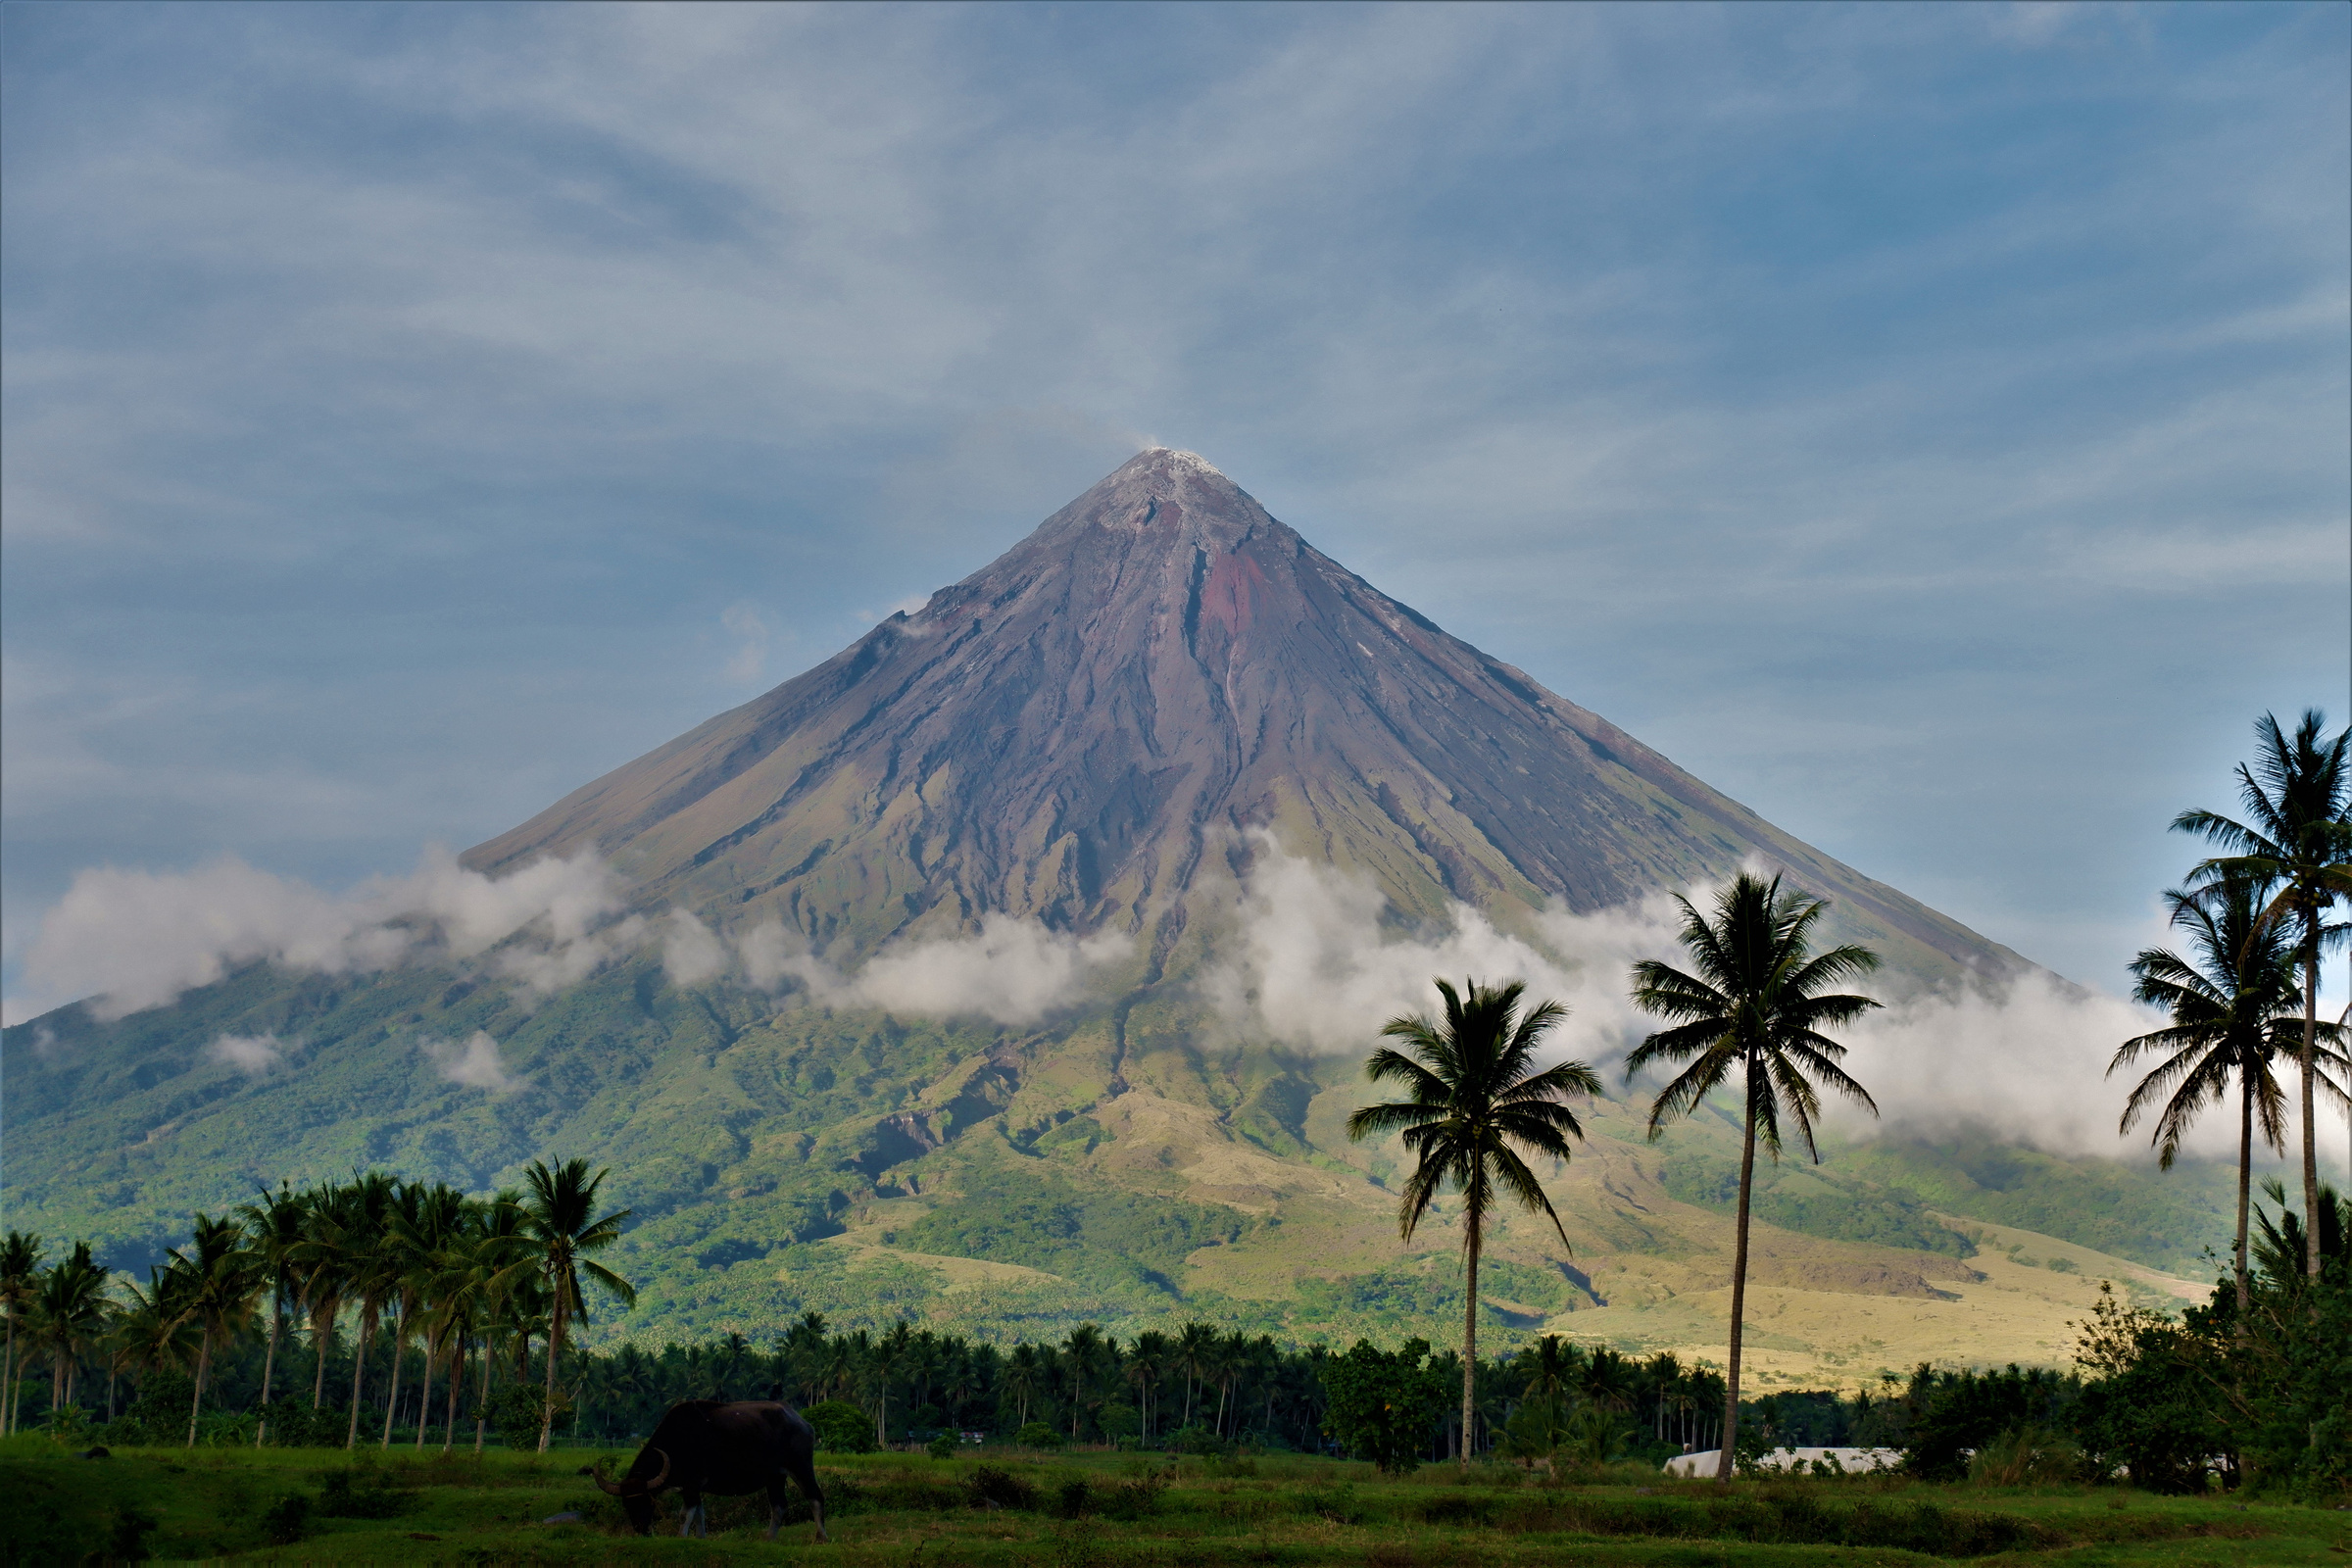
{"x": 804, "y": 1476}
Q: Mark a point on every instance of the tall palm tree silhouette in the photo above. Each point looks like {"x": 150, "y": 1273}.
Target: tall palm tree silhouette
{"x": 2297, "y": 836}
{"x": 1755, "y": 1004}
{"x": 1478, "y": 1097}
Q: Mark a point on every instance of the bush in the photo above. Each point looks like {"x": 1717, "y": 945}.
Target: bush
{"x": 517, "y": 1414}
{"x": 338, "y": 1498}
{"x": 1038, "y": 1435}
{"x": 293, "y": 1424}
{"x": 841, "y": 1427}
{"x": 991, "y": 1488}
{"x": 1073, "y": 1500}
{"x": 1383, "y": 1404}
{"x": 161, "y": 1410}
{"x": 2027, "y": 1455}
{"x": 284, "y": 1521}
{"x": 1195, "y": 1440}
{"x": 125, "y": 1540}
{"x": 942, "y": 1447}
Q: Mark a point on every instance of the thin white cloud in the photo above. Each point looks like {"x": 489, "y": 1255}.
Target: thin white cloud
{"x": 130, "y": 940}
{"x": 748, "y": 626}
{"x": 475, "y": 1064}
{"x": 1013, "y": 971}
{"x": 252, "y": 1054}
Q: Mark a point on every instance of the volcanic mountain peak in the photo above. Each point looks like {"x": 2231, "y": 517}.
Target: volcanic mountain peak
{"x": 1081, "y": 729}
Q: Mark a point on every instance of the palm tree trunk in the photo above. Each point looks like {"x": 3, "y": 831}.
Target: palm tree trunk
{"x": 400, "y": 1344}
{"x": 425, "y": 1393}
{"x": 1731, "y": 1380}
{"x": 1470, "y": 1335}
{"x": 555, "y": 1347}
{"x": 2245, "y": 1177}
{"x": 204, "y": 1364}
{"x": 323, "y": 1340}
{"x": 457, "y": 1376}
{"x": 481, "y": 1408}
{"x": 359, "y": 1373}
{"x": 8, "y": 1373}
{"x": 2310, "y": 1146}
{"x": 261, "y": 1428}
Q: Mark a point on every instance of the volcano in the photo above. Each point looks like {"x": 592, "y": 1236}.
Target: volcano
{"x": 1156, "y": 675}
{"x": 1092, "y": 737}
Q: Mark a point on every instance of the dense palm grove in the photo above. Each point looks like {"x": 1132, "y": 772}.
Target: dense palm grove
{"x": 381, "y": 1311}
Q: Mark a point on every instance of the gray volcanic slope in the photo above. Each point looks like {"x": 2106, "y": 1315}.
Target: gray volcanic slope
{"x": 1083, "y": 729}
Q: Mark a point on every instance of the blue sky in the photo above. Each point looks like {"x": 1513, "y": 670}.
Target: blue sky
{"x": 1925, "y": 424}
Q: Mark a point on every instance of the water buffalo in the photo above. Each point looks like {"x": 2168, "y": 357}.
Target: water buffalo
{"x": 728, "y": 1448}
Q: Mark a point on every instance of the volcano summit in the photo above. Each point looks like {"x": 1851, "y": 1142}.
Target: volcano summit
{"x": 1075, "y": 731}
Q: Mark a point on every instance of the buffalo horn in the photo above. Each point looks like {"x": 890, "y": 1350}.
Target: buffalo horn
{"x": 615, "y": 1489}
{"x": 655, "y": 1485}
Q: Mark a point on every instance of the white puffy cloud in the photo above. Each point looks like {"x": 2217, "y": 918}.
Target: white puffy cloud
{"x": 1012, "y": 970}
{"x": 476, "y": 1062}
{"x": 130, "y": 940}
{"x": 252, "y": 1054}
{"x": 691, "y": 953}
{"x": 1310, "y": 961}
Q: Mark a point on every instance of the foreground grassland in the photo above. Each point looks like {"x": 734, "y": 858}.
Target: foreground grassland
{"x": 1111, "y": 1509}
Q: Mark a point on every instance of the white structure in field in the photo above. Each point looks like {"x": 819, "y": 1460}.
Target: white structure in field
{"x": 1798, "y": 1461}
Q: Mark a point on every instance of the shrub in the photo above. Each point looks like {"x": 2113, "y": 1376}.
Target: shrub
{"x": 1038, "y": 1435}
{"x": 841, "y": 1427}
{"x": 942, "y": 1447}
{"x": 991, "y": 1488}
{"x": 1074, "y": 1498}
{"x": 162, "y": 1409}
{"x": 2027, "y": 1455}
{"x": 1195, "y": 1440}
{"x": 284, "y": 1521}
{"x": 338, "y": 1498}
{"x": 1383, "y": 1402}
{"x": 125, "y": 1540}
{"x": 517, "y": 1414}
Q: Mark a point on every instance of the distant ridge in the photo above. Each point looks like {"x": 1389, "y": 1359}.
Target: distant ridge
{"x": 1076, "y": 731}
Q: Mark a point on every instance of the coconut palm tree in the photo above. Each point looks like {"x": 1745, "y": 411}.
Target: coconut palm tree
{"x": 19, "y": 1273}
{"x": 1477, "y": 1096}
{"x": 2234, "y": 1009}
{"x": 420, "y": 1227}
{"x": 1758, "y": 1005}
{"x": 2298, "y": 836}
{"x": 1195, "y": 1353}
{"x": 275, "y": 1227}
{"x": 69, "y": 1312}
{"x": 344, "y": 1261}
{"x": 560, "y": 1229}
{"x": 322, "y": 1263}
{"x": 218, "y": 1281}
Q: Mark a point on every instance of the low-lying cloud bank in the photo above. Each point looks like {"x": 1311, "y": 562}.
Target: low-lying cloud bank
{"x": 132, "y": 940}
{"x": 1010, "y": 971}
{"x": 1311, "y": 956}
{"x": 126, "y": 940}
{"x": 1315, "y": 963}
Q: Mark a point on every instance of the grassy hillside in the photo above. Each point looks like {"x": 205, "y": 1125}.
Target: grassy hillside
{"x": 1011, "y": 1182}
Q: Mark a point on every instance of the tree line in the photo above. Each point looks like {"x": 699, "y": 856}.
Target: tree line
{"x": 468, "y": 1282}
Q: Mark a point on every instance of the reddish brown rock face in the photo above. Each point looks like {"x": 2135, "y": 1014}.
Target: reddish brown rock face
{"x": 1082, "y": 729}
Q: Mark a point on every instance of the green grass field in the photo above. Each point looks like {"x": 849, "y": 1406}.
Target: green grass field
{"x": 912, "y": 1511}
